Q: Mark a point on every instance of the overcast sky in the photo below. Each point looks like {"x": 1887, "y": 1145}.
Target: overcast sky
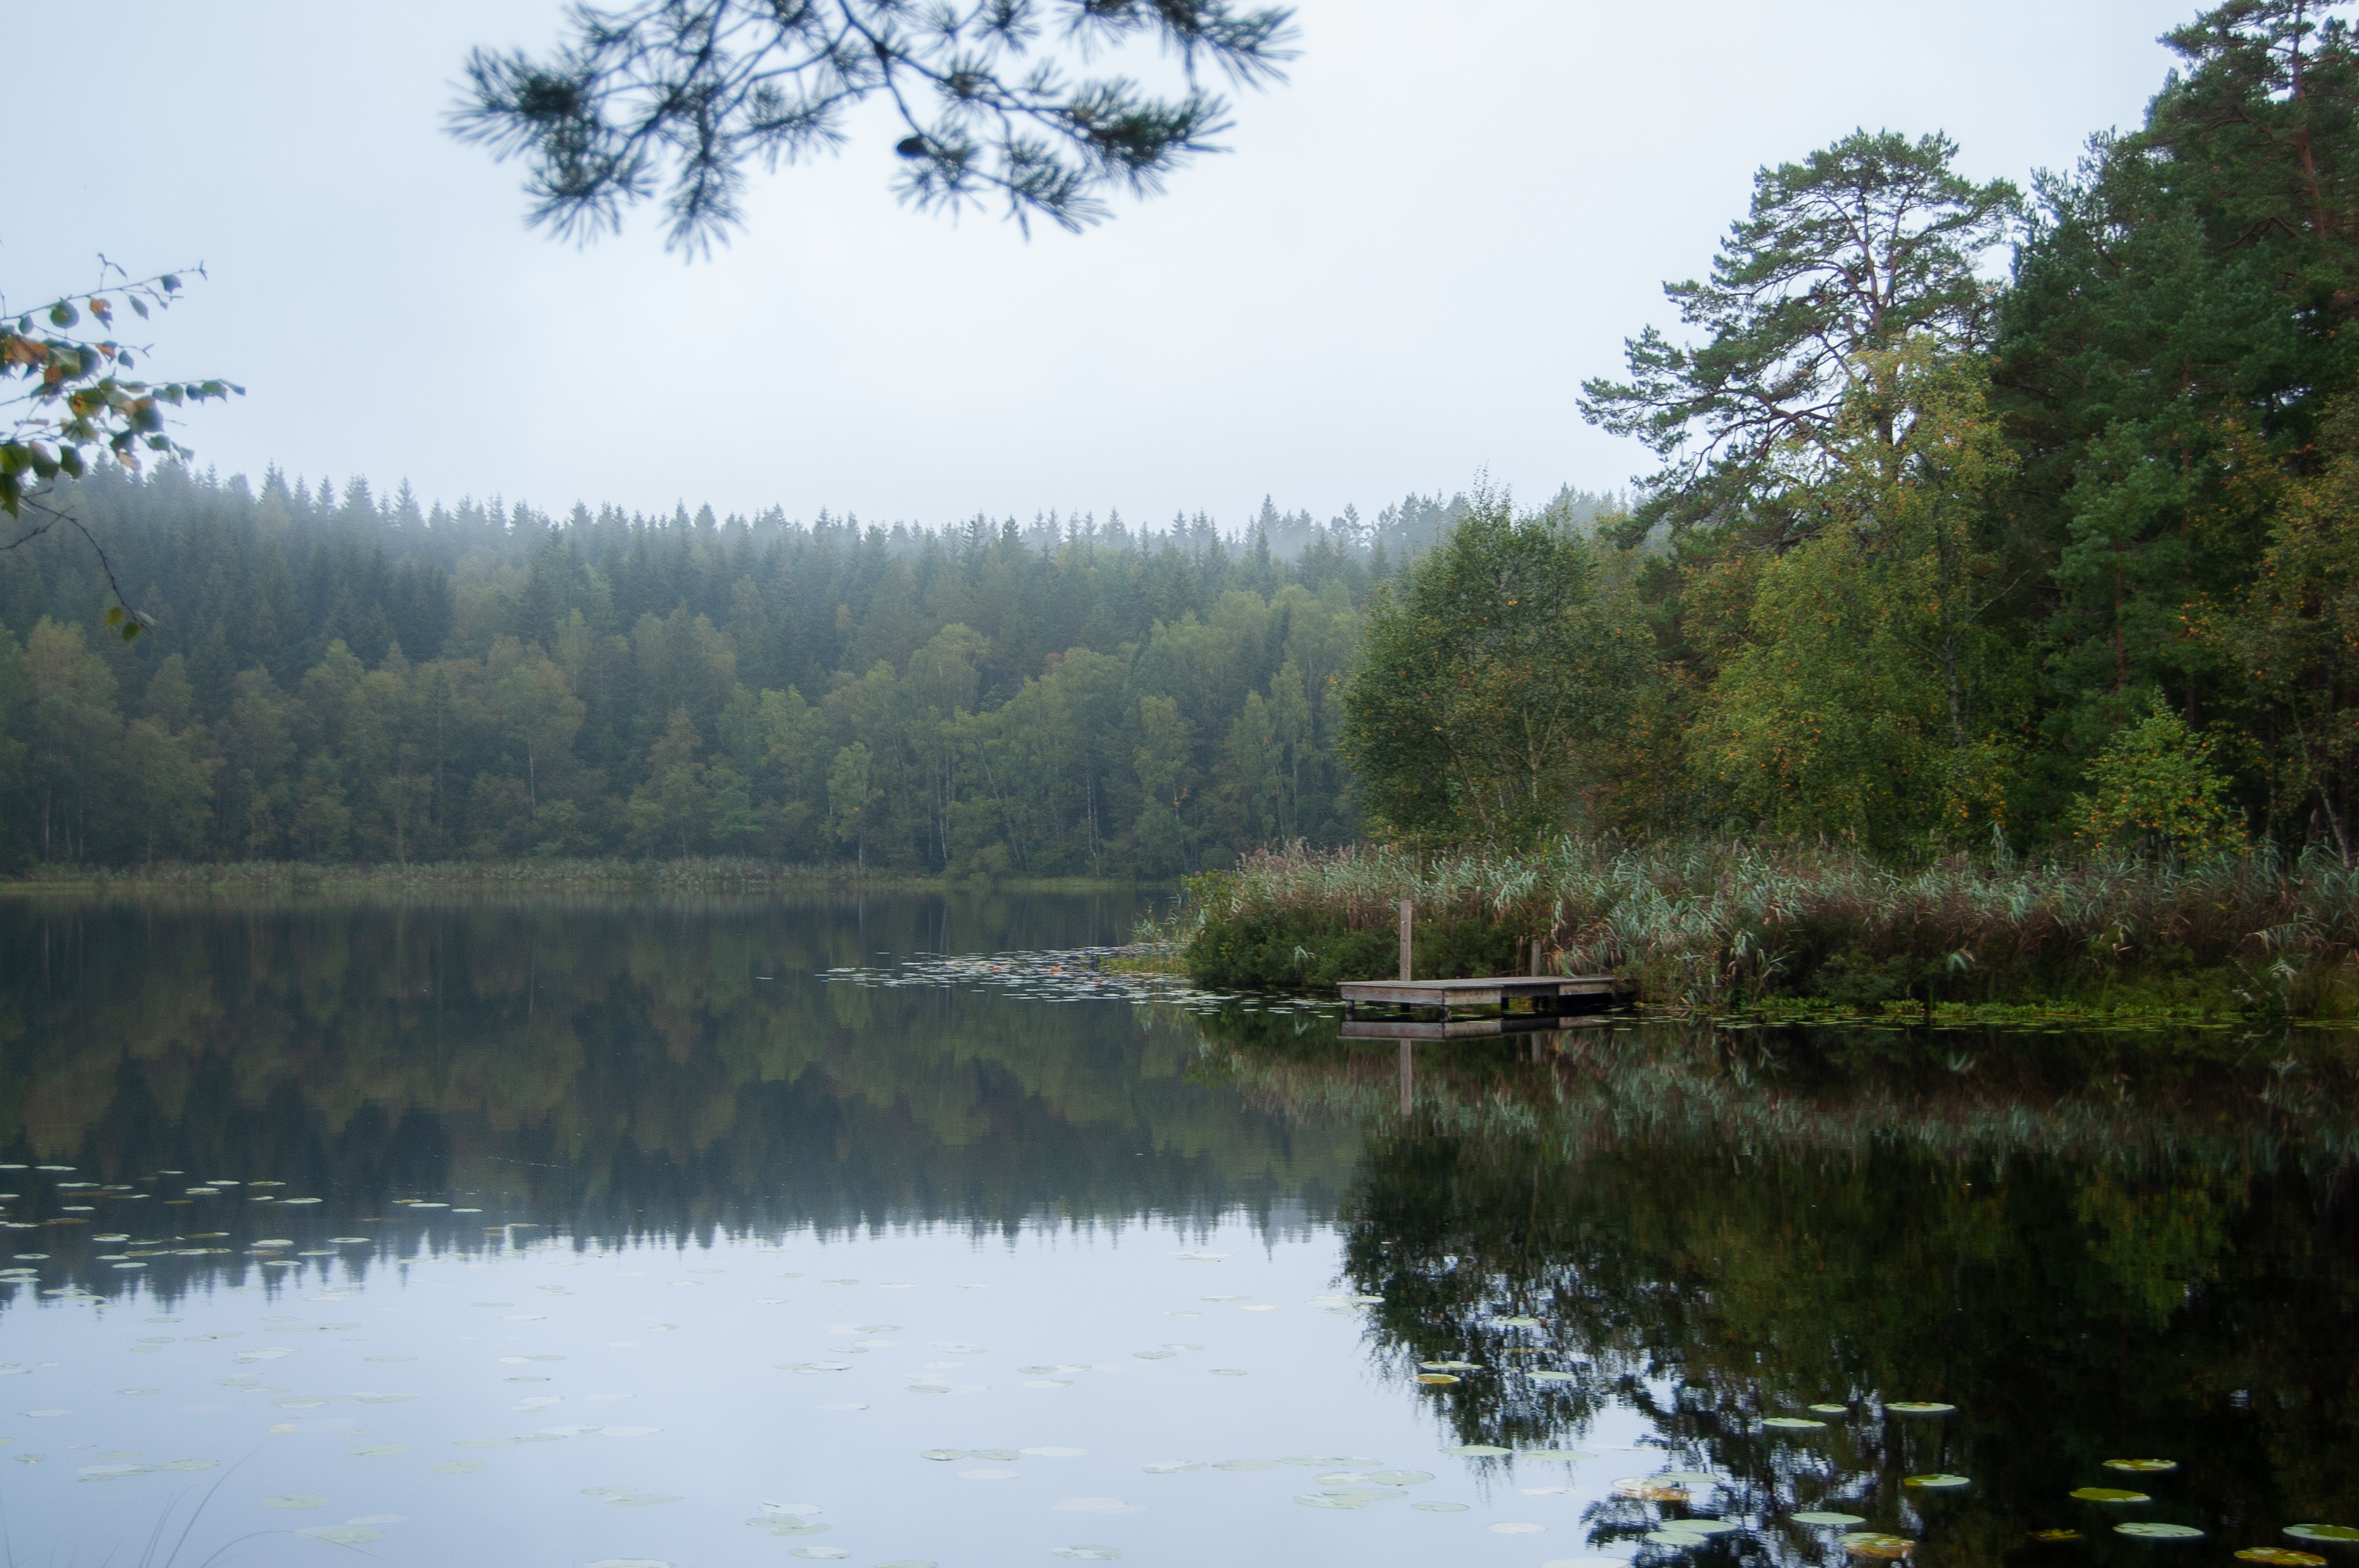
{"x": 1399, "y": 276}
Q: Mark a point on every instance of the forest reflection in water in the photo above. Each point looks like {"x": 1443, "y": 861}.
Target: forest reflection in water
{"x": 1721, "y": 1258}
{"x": 2095, "y": 1245}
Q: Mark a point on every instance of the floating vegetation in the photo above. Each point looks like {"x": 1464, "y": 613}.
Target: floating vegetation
{"x": 2109, "y": 1495}
{"x": 2340, "y": 1534}
{"x": 1919, "y": 1407}
{"x": 2148, "y": 1530}
{"x": 787, "y": 1527}
{"x": 1938, "y": 1483}
{"x": 1793, "y": 1424}
{"x": 2143, "y": 1466}
{"x": 2282, "y": 1557}
{"x": 1668, "y": 1536}
{"x": 1879, "y": 1545}
{"x": 1821, "y": 1517}
{"x": 1642, "y": 1489}
{"x": 1831, "y": 1410}
{"x": 1178, "y": 1467}
{"x": 2055, "y": 1535}
{"x": 1437, "y": 1379}
{"x": 1447, "y": 1365}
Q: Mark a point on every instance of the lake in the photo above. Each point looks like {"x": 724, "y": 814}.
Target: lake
{"x": 893, "y": 1232}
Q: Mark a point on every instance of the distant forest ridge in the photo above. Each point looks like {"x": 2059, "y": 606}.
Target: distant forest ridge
{"x": 335, "y": 677}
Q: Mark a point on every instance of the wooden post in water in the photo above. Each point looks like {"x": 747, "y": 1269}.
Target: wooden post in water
{"x": 1408, "y": 1070}
{"x": 1408, "y": 922}
{"x": 1536, "y": 957}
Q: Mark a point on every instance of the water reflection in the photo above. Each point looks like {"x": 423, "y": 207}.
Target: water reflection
{"x": 2093, "y": 1247}
{"x": 608, "y": 1071}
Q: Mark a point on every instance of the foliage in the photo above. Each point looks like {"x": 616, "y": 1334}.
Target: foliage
{"x": 1868, "y": 699}
{"x": 70, "y": 399}
{"x": 336, "y": 678}
{"x": 1855, "y": 250}
{"x": 1713, "y": 924}
{"x": 2154, "y": 787}
{"x": 693, "y": 90}
{"x": 1490, "y": 683}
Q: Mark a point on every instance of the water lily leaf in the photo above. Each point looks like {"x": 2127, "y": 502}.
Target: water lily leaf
{"x": 1938, "y": 1483}
{"x": 1687, "y": 1478}
{"x": 1436, "y": 1378}
{"x": 2109, "y": 1495}
{"x": 1649, "y": 1491}
{"x": 1704, "y": 1526}
{"x": 2147, "y": 1530}
{"x": 1675, "y": 1538}
{"x": 1478, "y": 1451}
{"x": 787, "y": 1528}
{"x": 1826, "y": 1518}
{"x": 1831, "y": 1410}
{"x": 1447, "y": 1365}
{"x": 1173, "y": 1466}
{"x": 1917, "y": 1407}
{"x": 2143, "y": 1466}
{"x": 1876, "y": 1545}
{"x": 2055, "y": 1535}
{"x": 2334, "y": 1532}
{"x": 2282, "y": 1557}
{"x": 1794, "y": 1423}
{"x": 1554, "y": 1455}
{"x": 1400, "y": 1477}
{"x": 1543, "y": 1375}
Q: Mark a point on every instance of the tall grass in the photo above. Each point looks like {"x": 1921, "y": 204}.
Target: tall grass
{"x": 1712, "y": 922}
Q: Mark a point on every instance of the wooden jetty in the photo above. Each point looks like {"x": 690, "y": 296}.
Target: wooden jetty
{"x": 1544, "y": 995}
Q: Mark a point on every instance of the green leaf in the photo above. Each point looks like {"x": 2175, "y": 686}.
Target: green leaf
{"x": 63, "y": 314}
{"x": 131, "y": 630}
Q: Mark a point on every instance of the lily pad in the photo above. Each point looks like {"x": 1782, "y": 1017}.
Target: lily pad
{"x": 943, "y": 1456}
{"x": 1793, "y": 1424}
{"x": 1824, "y": 1517}
{"x": 1917, "y": 1407}
{"x": 1545, "y": 1375}
{"x": 2143, "y": 1466}
{"x": 2282, "y": 1557}
{"x": 2147, "y": 1530}
{"x": 1447, "y": 1365}
{"x": 1937, "y": 1482}
{"x": 1641, "y": 1488}
{"x": 1704, "y": 1526}
{"x": 1876, "y": 1545}
{"x": 2342, "y": 1533}
{"x": 1173, "y": 1466}
{"x": 2055, "y": 1535}
{"x": 2109, "y": 1495}
{"x": 1436, "y": 1378}
{"x": 1831, "y": 1410}
{"x": 785, "y": 1526}
{"x": 1400, "y": 1477}
{"x": 1478, "y": 1451}
{"x": 1675, "y": 1538}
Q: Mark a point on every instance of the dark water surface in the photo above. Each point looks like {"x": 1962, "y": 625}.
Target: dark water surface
{"x": 730, "y": 1232}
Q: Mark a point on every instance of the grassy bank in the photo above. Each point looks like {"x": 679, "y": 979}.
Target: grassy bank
{"x": 1729, "y": 927}
{"x": 715, "y": 874}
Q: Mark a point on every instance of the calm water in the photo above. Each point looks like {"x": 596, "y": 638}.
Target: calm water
{"x": 723, "y": 1232}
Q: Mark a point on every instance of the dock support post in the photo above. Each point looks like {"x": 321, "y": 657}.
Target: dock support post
{"x": 1536, "y": 957}
{"x": 1407, "y": 1075}
{"x": 1407, "y": 921}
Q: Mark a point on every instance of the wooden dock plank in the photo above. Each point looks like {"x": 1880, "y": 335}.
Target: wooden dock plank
{"x": 1493, "y": 991}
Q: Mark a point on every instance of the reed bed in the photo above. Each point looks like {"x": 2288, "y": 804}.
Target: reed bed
{"x": 1715, "y": 924}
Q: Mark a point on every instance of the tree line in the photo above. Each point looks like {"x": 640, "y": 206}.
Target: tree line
{"x": 330, "y": 675}
{"x": 1983, "y": 517}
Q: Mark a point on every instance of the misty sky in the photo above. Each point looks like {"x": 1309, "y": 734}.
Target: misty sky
{"x": 1398, "y": 277}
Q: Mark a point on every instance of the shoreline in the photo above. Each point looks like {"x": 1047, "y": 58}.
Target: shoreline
{"x": 556, "y": 878}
